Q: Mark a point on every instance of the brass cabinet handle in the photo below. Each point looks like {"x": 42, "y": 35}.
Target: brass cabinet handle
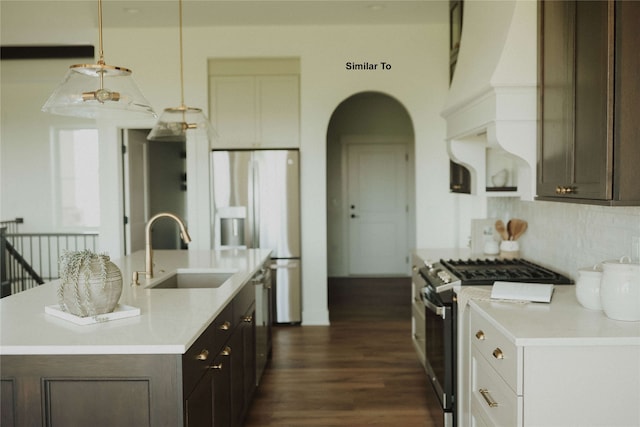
{"x": 247, "y": 319}
{"x": 497, "y": 353}
{"x": 225, "y": 351}
{"x": 562, "y": 189}
{"x": 204, "y": 355}
{"x": 487, "y": 398}
{"x": 225, "y": 326}
{"x": 217, "y": 366}
{"x": 480, "y": 335}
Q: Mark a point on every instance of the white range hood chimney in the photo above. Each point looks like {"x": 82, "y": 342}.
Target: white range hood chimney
{"x": 491, "y": 105}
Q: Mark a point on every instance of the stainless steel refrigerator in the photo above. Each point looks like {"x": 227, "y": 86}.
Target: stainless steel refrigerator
{"x": 256, "y": 204}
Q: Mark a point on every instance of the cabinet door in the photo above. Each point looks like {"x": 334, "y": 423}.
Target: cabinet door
{"x": 221, "y": 390}
{"x": 236, "y": 389}
{"x": 249, "y": 357}
{"x": 233, "y": 111}
{"x": 627, "y": 107}
{"x": 7, "y": 403}
{"x": 592, "y": 148}
{"x": 575, "y": 152}
{"x": 209, "y": 403}
{"x": 256, "y": 111}
{"x": 198, "y": 406}
{"x": 563, "y": 388}
{"x": 278, "y": 109}
{"x": 84, "y": 390}
{"x": 243, "y": 366}
{"x": 556, "y": 94}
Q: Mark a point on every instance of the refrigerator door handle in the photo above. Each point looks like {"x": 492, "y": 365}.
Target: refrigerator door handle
{"x": 290, "y": 264}
{"x": 251, "y": 183}
{"x": 256, "y": 205}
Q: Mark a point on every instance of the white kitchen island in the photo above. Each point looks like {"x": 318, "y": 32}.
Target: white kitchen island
{"x": 132, "y": 371}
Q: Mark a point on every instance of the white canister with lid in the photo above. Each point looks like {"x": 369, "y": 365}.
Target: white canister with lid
{"x": 588, "y": 287}
{"x": 620, "y": 289}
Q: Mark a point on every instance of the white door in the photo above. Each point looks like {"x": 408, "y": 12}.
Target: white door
{"x": 135, "y": 169}
{"x": 377, "y": 209}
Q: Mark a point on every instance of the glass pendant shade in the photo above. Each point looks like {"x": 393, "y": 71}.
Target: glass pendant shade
{"x": 174, "y": 123}
{"x": 98, "y": 91}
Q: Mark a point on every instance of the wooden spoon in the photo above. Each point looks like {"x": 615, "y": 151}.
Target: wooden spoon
{"x": 502, "y": 230}
{"x": 518, "y": 227}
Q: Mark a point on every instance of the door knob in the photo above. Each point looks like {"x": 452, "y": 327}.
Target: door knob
{"x": 353, "y": 206}
{"x": 354, "y": 216}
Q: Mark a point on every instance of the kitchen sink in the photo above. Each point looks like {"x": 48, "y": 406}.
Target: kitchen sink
{"x": 195, "y": 278}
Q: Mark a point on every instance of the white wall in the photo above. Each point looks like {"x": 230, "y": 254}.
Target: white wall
{"x": 25, "y": 147}
{"x": 418, "y": 79}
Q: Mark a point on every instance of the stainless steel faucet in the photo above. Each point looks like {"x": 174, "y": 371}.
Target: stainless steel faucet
{"x": 147, "y": 233}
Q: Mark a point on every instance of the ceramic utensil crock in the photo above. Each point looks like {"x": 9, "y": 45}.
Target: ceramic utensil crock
{"x": 620, "y": 289}
{"x": 588, "y": 287}
{"x": 509, "y": 249}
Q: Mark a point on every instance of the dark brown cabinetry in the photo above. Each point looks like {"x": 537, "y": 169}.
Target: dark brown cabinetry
{"x": 262, "y": 282}
{"x": 224, "y": 359}
{"x": 589, "y": 101}
{"x": 207, "y": 404}
{"x": 242, "y": 345}
{"x": 90, "y": 390}
{"x": 206, "y": 370}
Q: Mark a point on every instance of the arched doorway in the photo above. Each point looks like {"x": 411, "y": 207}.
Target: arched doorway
{"x": 370, "y": 187}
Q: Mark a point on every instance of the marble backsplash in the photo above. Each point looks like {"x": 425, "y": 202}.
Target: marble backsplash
{"x": 567, "y": 236}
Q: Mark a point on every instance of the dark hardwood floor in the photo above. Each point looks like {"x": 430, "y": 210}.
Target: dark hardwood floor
{"x": 360, "y": 371}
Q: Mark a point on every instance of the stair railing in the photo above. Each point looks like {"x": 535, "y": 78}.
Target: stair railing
{"x": 31, "y": 259}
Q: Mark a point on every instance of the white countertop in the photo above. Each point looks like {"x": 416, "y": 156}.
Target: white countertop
{"x": 170, "y": 320}
{"x": 563, "y": 321}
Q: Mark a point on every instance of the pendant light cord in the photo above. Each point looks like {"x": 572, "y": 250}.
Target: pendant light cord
{"x": 181, "y": 64}
{"x": 100, "y": 49}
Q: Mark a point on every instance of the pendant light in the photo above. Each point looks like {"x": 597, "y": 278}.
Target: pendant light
{"x": 176, "y": 121}
{"x": 99, "y": 90}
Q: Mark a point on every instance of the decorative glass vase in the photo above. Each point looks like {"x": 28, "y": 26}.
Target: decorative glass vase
{"x": 90, "y": 284}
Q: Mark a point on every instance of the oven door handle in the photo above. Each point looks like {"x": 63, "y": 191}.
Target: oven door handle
{"x": 438, "y": 310}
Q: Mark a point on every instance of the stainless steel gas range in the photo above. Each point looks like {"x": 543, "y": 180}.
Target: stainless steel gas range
{"x": 436, "y": 281}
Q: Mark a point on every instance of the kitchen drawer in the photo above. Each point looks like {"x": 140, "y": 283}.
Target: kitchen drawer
{"x": 499, "y": 351}
{"x": 492, "y": 401}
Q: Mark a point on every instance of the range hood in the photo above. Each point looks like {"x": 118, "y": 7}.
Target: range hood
{"x": 490, "y": 109}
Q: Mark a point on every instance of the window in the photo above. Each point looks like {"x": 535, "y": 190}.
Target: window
{"x": 77, "y": 180}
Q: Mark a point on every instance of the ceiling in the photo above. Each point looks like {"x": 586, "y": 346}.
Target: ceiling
{"x": 56, "y": 16}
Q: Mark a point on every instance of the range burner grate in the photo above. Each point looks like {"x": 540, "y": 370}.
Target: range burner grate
{"x": 487, "y": 271}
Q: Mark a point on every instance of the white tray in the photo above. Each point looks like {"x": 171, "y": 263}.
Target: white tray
{"x": 121, "y": 311}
